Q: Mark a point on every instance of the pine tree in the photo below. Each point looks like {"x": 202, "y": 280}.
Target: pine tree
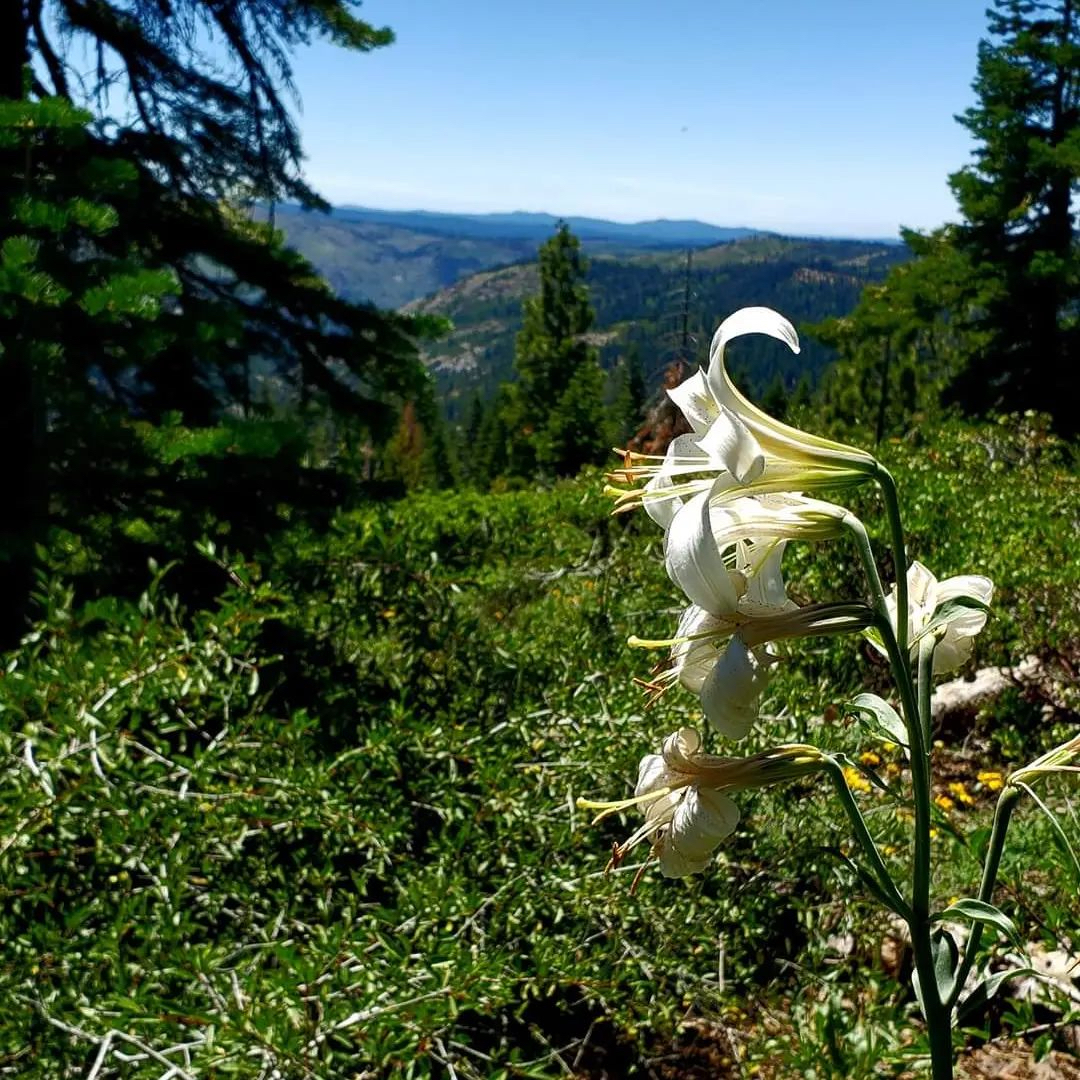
{"x": 630, "y": 395}
{"x": 557, "y": 414}
{"x": 1016, "y": 200}
{"x": 162, "y": 306}
{"x": 985, "y": 314}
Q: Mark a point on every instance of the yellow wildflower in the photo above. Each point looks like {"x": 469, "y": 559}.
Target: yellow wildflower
{"x": 960, "y": 793}
{"x": 944, "y": 802}
{"x": 870, "y": 758}
{"x": 991, "y": 780}
{"x": 855, "y": 780}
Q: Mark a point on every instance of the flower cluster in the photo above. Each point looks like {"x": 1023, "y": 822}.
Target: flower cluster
{"x": 730, "y": 496}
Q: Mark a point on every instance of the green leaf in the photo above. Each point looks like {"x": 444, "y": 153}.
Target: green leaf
{"x": 946, "y": 612}
{"x": 868, "y": 880}
{"x": 980, "y": 911}
{"x": 946, "y": 955}
{"x": 1060, "y": 835}
{"x": 987, "y": 989}
{"x": 977, "y": 840}
{"x": 879, "y": 718}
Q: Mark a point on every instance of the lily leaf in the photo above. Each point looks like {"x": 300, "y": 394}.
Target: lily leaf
{"x": 980, "y": 911}
{"x": 879, "y": 718}
{"x": 871, "y": 777}
{"x": 946, "y": 955}
{"x": 987, "y": 989}
{"x": 947, "y": 611}
{"x": 868, "y": 880}
{"x": 1060, "y": 835}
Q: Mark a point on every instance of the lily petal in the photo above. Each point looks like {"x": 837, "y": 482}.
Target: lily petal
{"x": 693, "y": 659}
{"x": 661, "y": 510}
{"x": 730, "y": 694}
{"x": 729, "y": 441}
{"x": 694, "y": 561}
{"x": 693, "y": 398}
{"x": 702, "y": 819}
{"x": 775, "y": 437}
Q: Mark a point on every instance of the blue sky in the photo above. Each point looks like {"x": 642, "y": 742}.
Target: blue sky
{"x": 831, "y": 117}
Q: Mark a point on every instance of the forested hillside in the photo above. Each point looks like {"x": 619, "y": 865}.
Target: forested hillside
{"x": 390, "y": 258}
{"x": 338, "y": 740}
{"x": 639, "y": 303}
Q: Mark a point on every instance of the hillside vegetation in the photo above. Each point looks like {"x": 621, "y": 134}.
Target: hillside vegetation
{"x": 326, "y": 825}
{"x": 390, "y": 258}
{"x": 309, "y": 694}
{"x": 639, "y": 299}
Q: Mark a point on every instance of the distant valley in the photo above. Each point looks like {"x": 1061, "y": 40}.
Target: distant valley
{"x": 477, "y": 269}
{"x": 392, "y": 257}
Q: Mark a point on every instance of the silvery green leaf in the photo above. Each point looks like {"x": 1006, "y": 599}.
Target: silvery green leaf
{"x": 988, "y": 988}
{"x": 880, "y": 718}
{"x": 946, "y": 955}
{"x": 980, "y": 911}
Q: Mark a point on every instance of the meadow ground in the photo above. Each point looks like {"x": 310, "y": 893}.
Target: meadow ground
{"x": 327, "y": 825}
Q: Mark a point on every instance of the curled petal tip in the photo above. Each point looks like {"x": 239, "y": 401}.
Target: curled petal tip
{"x": 755, "y": 320}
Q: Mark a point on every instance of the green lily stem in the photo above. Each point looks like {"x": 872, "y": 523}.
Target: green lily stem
{"x": 887, "y": 485}
{"x": 869, "y": 565}
{"x": 1006, "y": 803}
{"x": 926, "y": 687}
{"x": 938, "y": 1013}
{"x": 866, "y": 841}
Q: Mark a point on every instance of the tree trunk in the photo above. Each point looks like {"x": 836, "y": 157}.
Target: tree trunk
{"x": 23, "y": 521}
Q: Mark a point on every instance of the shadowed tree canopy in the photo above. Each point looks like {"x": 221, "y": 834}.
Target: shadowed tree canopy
{"x": 199, "y": 87}
{"x": 135, "y": 285}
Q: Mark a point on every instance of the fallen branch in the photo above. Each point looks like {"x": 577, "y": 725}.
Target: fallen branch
{"x": 970, "y": 695}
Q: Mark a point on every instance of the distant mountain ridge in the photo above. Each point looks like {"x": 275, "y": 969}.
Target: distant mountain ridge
{"x": 477, "y": 269}
{"x": 394, "y": 257}
{"x": 522, "y": 224}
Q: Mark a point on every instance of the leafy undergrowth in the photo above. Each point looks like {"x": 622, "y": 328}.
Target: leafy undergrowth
{"x": 327, "y": 826}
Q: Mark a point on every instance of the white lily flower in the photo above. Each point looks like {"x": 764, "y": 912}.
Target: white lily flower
{"x": 677, "y": 475}
{"x": 701, "y": 535}
{"x": 734, "y": 441}
{"x": 682, "y": 792}
{"x": 740, "y": 605}
{"x": 956, "y": 630}
{"x": 736, "y": 676}
{"x": 694, "y": 648}
{"x": 726, "y": 559}
{"x": 752, "y": 588}
{"x": 771, "y": 437}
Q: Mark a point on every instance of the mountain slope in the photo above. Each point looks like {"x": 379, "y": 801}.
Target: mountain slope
{"x": 639, "y": 301}
{"x": 393, "y": 257}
